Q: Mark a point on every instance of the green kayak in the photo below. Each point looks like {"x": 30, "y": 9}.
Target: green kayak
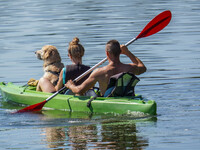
{"x": 117, "y": 105}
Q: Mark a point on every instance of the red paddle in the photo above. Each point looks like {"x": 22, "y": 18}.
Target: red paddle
{"x": 154, "y": 26}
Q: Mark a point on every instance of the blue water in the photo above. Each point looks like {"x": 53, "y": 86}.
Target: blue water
{"x": 172, "y": 79}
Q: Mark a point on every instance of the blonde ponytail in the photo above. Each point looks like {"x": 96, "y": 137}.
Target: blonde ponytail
{"x": 75, "y": 49}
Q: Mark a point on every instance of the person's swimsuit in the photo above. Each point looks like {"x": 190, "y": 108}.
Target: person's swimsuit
{"x": 71, "y": 72}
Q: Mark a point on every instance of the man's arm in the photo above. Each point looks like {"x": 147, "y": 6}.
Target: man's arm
{"x": 137, "y": 66}
{"x": 85, "y": 86}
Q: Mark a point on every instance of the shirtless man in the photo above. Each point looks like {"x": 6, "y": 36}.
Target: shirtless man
{"x": 103, "y": 74}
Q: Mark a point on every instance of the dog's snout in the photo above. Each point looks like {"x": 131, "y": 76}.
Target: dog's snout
{"x": 38, "y": 54}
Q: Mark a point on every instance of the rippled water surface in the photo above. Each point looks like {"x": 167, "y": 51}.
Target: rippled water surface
{"x": 172, "y": 79}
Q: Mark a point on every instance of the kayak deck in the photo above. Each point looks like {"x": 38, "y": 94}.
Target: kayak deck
{"x": 117, "y": 105}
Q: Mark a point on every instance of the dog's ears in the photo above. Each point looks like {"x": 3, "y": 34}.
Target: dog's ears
{"x": 48, "y": 54}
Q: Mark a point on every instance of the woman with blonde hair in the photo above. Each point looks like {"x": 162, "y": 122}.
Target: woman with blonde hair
{"x": 70, "y": 72}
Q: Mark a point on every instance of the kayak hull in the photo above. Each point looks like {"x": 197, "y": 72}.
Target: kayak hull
{"x": 117, "y": 105}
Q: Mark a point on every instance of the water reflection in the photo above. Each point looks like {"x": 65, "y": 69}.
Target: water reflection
{"x": 55, "y": 137}
{"x": 102, "y": 136}
{"x": 106, "y": 134}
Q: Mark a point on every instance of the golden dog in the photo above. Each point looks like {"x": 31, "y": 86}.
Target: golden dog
{"x": 52, "y": 62}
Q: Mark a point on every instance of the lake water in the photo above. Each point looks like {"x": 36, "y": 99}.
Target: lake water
{"x": 172, "y": 57}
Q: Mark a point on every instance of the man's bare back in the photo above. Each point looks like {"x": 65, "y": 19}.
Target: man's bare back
{"x": 103, "y": 74}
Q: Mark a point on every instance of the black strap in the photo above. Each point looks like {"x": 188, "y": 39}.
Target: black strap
{"x": 90, "y": 101}
{"x": 54, "y": 72}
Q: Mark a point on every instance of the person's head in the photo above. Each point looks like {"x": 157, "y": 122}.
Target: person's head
{"x": 75, "y": 49}
{"x": 113, "y": 48}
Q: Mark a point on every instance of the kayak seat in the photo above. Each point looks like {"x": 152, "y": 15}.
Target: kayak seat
{"x": 122, "y": 84}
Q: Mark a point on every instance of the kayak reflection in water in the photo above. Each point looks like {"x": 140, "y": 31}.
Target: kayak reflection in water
{"x": 112, "y": 135}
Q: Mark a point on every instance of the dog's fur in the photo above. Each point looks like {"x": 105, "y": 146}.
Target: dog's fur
{"x": 52, "y": 62}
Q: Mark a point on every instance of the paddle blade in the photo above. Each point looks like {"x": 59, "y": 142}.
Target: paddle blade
{"x": 31, "y": 108}
{"x": 156, "y": 24}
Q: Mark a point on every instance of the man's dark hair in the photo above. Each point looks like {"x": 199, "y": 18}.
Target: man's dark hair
{"x": 113, "y": 47}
